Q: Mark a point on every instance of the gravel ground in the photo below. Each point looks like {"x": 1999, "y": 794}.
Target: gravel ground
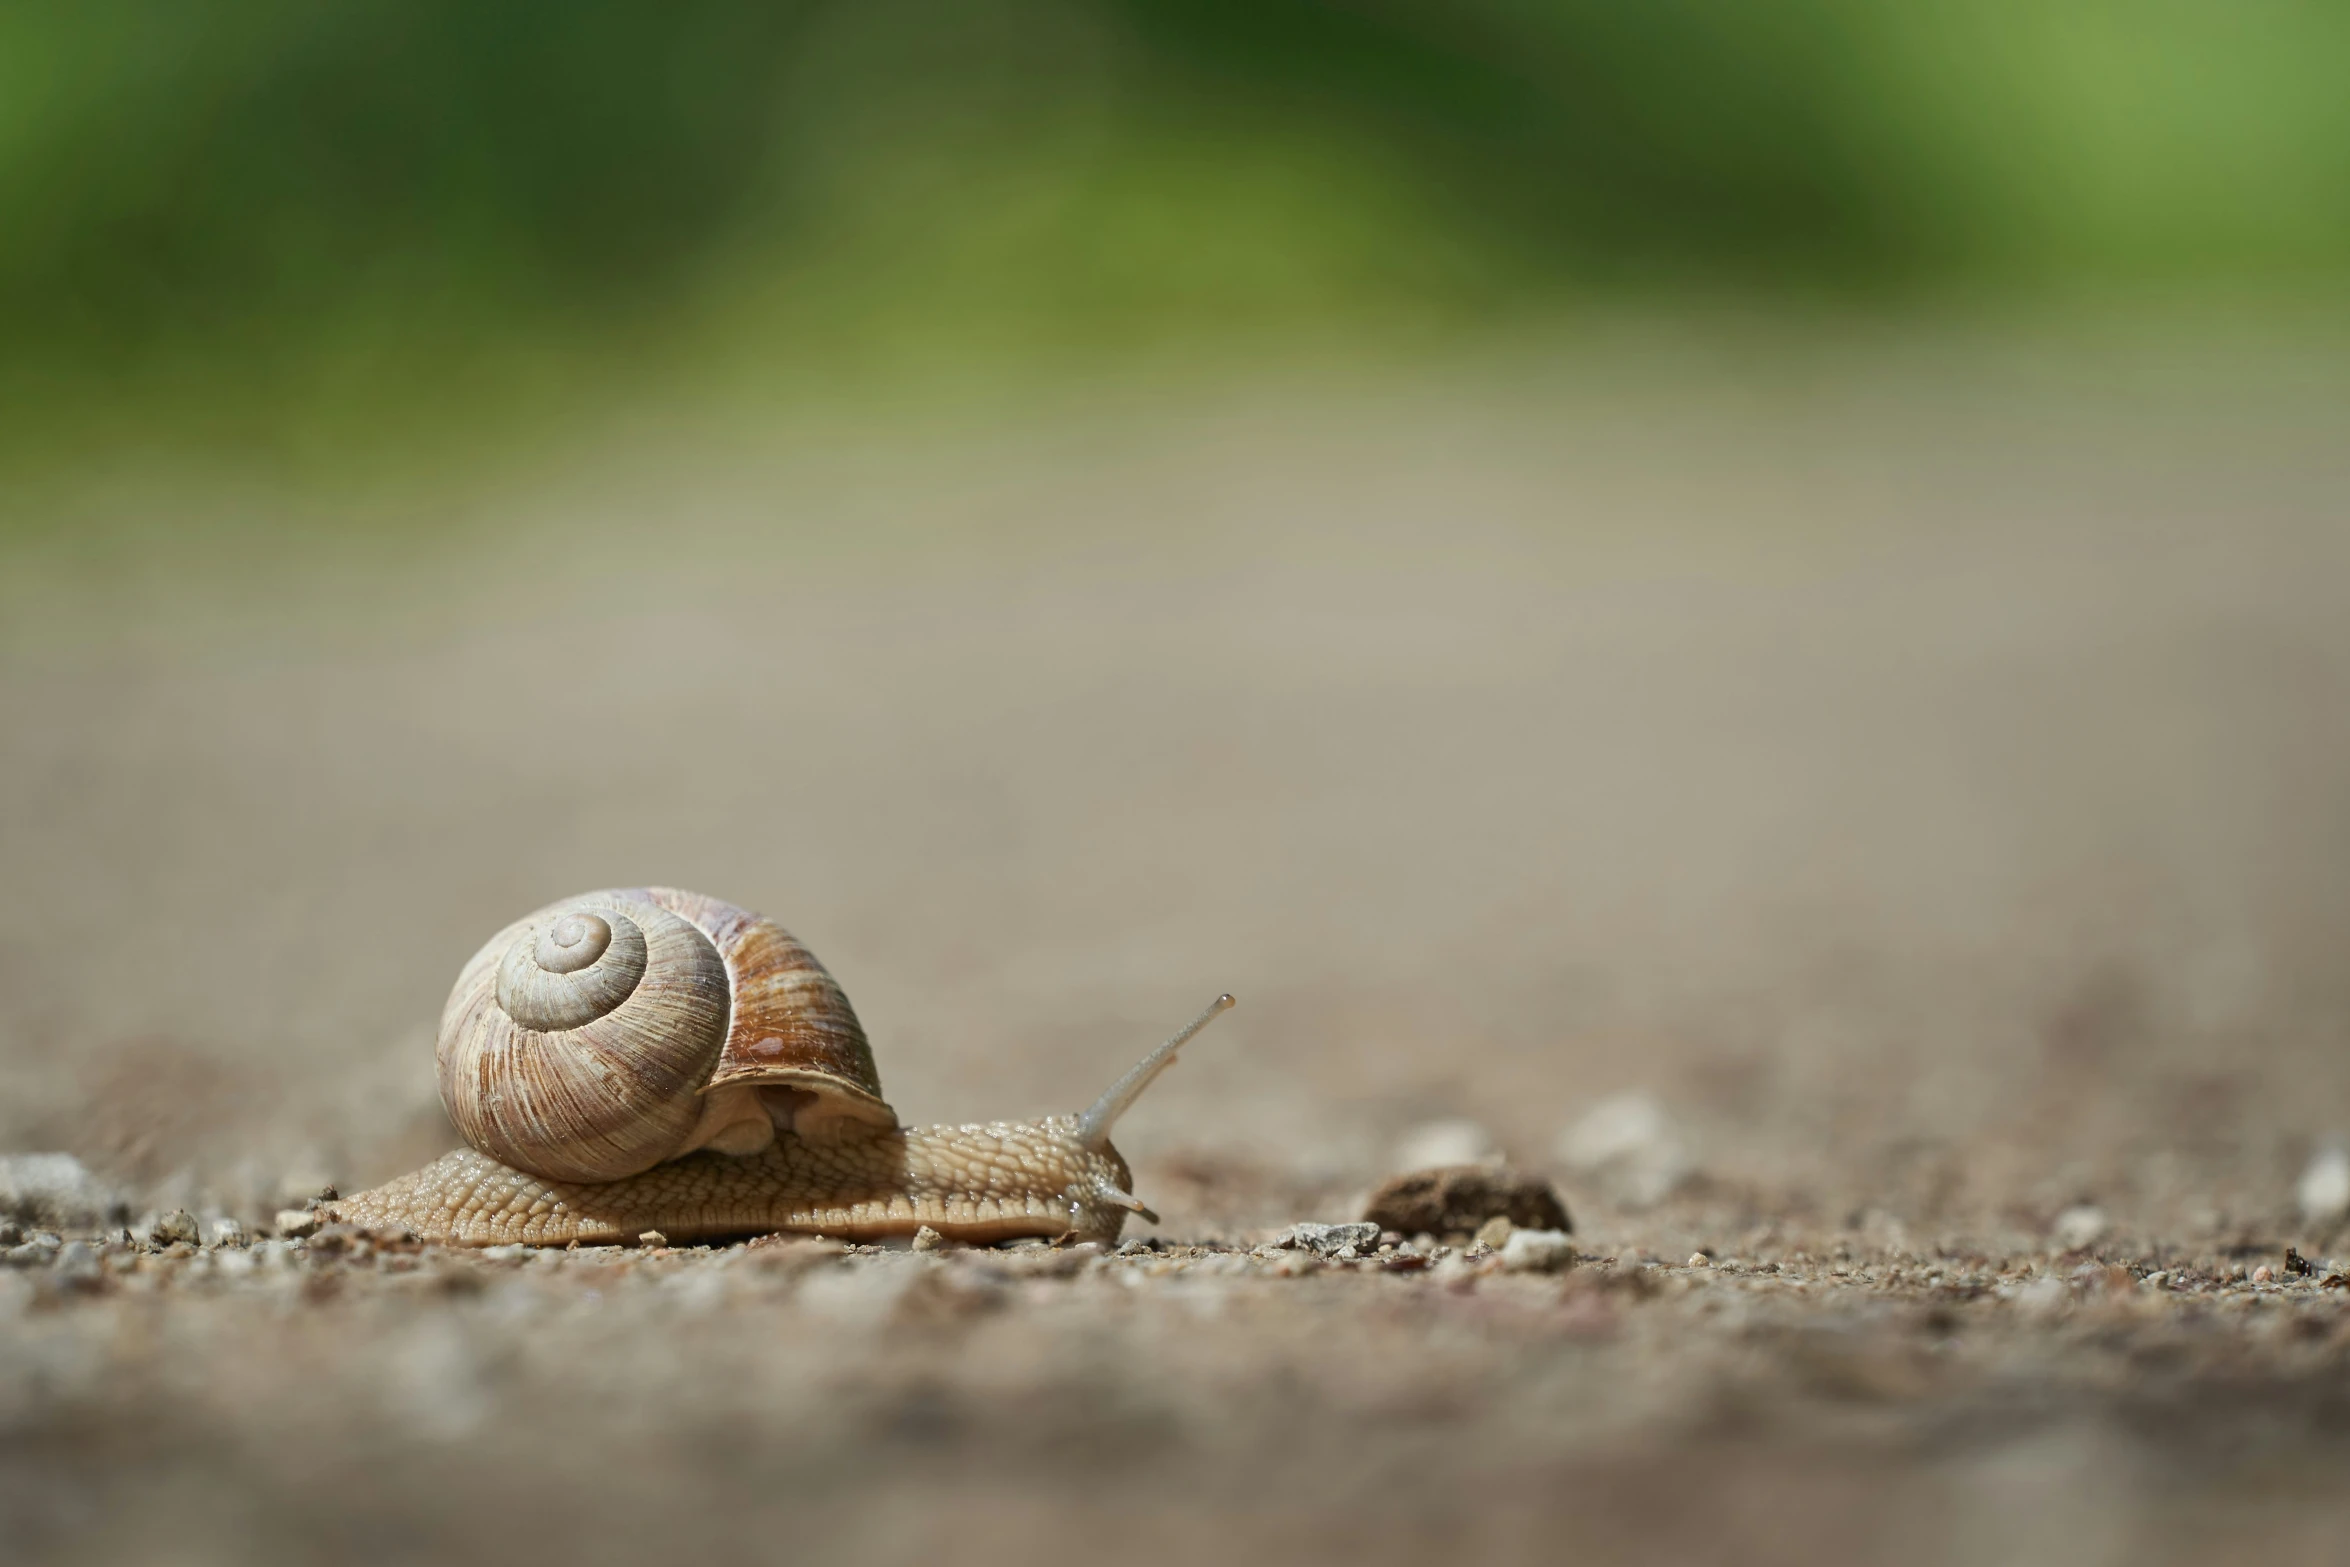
{"x": 1783, "y": 1404}
{"x": 1879, "y": 833}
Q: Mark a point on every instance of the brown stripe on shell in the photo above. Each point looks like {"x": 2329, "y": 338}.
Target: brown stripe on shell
{"x": 792, "y": 1025}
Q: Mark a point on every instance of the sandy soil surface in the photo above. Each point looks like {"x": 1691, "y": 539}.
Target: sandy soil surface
{"x": 1922, "y": 789}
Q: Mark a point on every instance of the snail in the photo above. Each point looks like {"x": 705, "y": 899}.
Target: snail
{"x": 648, "y": 1059}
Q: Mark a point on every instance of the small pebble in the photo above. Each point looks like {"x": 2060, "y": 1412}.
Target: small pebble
{"x": 1537, "y": 1251}
{"x": 227, "y": 1232}
{"x": 2041, "y": 1297}
{"x": 2078, "y": 1227}
{"x": 2324, "y": 1189}
{"x": 1698, "y": 1259}
{"x": 1329, "y": 1240}
{"x": 2264, "y": 1274}
{"x": 297, "y": 1223}
{"x": 1495, "y": 1232}
{"x": 927, "y": 1239}
{"x": 177, "y": 1225}
{"x": 652, "y": 1238}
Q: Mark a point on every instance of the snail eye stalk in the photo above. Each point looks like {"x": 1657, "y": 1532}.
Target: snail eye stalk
{"x": 1093, "y": 1127}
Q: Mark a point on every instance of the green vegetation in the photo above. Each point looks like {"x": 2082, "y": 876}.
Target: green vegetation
{"x": 276, "y": 223}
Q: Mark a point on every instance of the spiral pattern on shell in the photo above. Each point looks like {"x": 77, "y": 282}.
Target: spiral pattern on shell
{"x": 604, "y": 1034}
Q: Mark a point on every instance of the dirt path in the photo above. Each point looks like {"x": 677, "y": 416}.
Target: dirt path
{"x": 1934, "y": 800}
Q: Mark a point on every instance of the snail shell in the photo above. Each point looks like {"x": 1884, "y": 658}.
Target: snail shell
{"x": 609, "y": 1032}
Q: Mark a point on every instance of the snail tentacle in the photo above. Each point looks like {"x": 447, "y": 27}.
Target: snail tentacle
{"x": 1093, "y": 1127}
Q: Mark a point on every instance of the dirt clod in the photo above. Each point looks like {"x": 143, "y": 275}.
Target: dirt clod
{"x": 1460, "y": 1199}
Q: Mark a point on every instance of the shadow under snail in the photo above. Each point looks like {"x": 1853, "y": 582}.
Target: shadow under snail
{"x": 649, "y": 1059}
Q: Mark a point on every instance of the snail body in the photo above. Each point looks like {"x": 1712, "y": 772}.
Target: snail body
{"x": 652, "y": 1059}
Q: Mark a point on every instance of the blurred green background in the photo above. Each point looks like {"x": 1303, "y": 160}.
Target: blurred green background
{"x": 327, "y": 236}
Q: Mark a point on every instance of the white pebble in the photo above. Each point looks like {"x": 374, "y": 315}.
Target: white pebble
{"x": 2042, "y": 1297}
{"x": 2078, "y": 1227}
{"x": 2325, "y": 1186}
{"x": 1537, "y": 1251}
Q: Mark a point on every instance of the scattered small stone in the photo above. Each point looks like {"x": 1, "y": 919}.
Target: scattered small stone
{"x": 1135, "y": 1246}
{"x": 1537, "y": 1251}
{"x": 1495, "y": 1232}
{"x": 1328, "y": 1240}
{"x": 228, "y": 1232}
{"x": 2079, "y": 1227}
{"x": 296, "y": 1223}
{"x": 177, "y": 1225}
{"x": 29, "y": 1254}
{"x": 927, "y": 1239}
{"x": 652, "y": 1238}
{"x": 1698, "y": 1259}
{"x": 2297, "y": 1265}
{"x": 1458, "y": 1199}
{"x": 2324, "y": 1190}
{"x": 1630, "y": 1145}
{"x": 2264, "y": 1274}
{"x": 1453, "y": 1140}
